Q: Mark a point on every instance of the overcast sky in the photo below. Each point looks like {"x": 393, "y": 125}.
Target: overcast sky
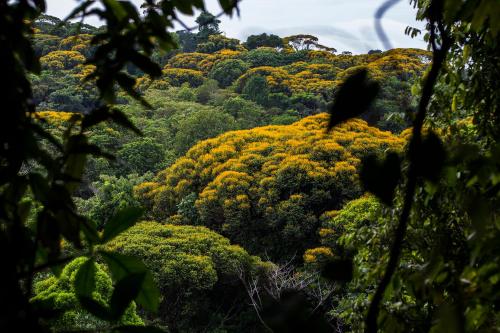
{"x": 346, "y": 25}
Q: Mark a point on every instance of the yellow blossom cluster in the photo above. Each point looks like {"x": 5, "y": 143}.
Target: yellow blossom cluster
{"x": 216, "y": 57}
{"x": 62, "y": 60}
{"x": 201, "y": 61}
{"x": 178, "y": 76}
{"x": 56, "y": 117}
{"x": 188, "y": 60}
{"x": 318, "y": 255}
{"x": 280, "y": 80}
{"x": 56, "y": 122}
{"x": 78, "y": 43}
{"x": 326, "y": 70}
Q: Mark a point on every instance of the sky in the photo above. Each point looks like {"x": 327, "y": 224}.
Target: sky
{"x": 347, "y": 25}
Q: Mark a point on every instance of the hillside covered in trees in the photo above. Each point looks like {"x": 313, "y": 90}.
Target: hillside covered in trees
{"x": 205, "y": 91}
{"x": 190, "y": 182}
{"x": 233, "y": 140}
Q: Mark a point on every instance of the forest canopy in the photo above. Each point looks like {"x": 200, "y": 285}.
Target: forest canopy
{"x": 154, "y": 180}
{"x": 266, "y": 188}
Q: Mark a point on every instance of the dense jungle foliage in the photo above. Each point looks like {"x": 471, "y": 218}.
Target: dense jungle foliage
{"x": 161, "y": 181}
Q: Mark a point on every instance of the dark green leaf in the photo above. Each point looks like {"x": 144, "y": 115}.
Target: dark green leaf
{"x": 69, "y": 224}
{"x": 95, "y": 151}
{"x": 122, "y": 265}
{"x": 186, "y": 7}
{"x": 105, "y": 113}
{"x": 121, "y": 119}
{"x": 430, "y": 158}
{"x": 40, "y": 5}
{"x": 146, "y": 65}
{"x": 49, "y": 233}
{"x": 39, "y": 186}
{"x": 338, "y": 270}
{"x": 381, "y": 177}
{"x": 79, "y": 10}
{"x": 75, "y": 161}
{"x": 479, "y": 211}
{"x": 96, "y": 116}
{"x": 126, "y": 290}
{"x": 90, "y": 232}
{"x": 95, "y": 308}
{"x": 122, "y": 220}
{"x": 115, "y": 7}
{"x": 46, "y": 135}
{"x": 353, "y": 98}
{"x": 228, "y": 5}
{"x": 85, "y": 279}
{"x": 127, "y": 83}
{"x": 46, "y": 308}
{"x": 293, "y": 313}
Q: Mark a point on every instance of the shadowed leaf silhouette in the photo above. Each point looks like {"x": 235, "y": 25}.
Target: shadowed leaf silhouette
{"x": 431, "y": 157}
{"x": 381, "y": 177}
{"x": 123, "y": 220}
{"x": 293, "y": 314}
{"x": 353, "y": 98}
{"x": 338, "y": 270}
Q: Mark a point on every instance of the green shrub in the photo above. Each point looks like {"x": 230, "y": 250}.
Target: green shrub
{"x": 196, "y": 269}
{"x": 60, "y": 292}
{"x": 227, "y": 71}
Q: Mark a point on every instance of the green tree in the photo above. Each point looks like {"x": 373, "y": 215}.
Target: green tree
{"x": 179, "y": 76}
{"x": 286, "y": 118}
{"x": 279, "y": 100}
{"x": 187, "y": 40}
{"x": 187, "y": 94}
{"x": 263, "y": 40}
{"x": 197, "y": 271}
{"x": 358, "y": 226}
{"x": 52, "y": 25}
{"x": 263, "y": 56}
{"x": 207, "y": 91}
{"x": 218, "y": 42}
{"x": 305, "y": 43}
{"x": 60, "y": 292}
{"x": 247, "y": 113}
{"x": 201, "y": 125}
{"x": 208, "y": 25}
{"x": 140, "y": 156}
{"x": 112, "y": 194}
{"x": 307, "y": 103}
{"x": 256, "y": 89}
{"x": 227, "y": 71}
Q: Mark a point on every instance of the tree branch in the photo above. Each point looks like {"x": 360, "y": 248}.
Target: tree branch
{"x": 439, "y": 57}
{"x": 219, "y": 15}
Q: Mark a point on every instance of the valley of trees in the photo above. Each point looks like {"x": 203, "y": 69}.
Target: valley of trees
{"x": 162, "y": 181}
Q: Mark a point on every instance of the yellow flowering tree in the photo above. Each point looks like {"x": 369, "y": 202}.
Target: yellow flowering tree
{"x": 265, "y": 188}
{"x": 179, "y": 76}
{"x": 62, "y": 60}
